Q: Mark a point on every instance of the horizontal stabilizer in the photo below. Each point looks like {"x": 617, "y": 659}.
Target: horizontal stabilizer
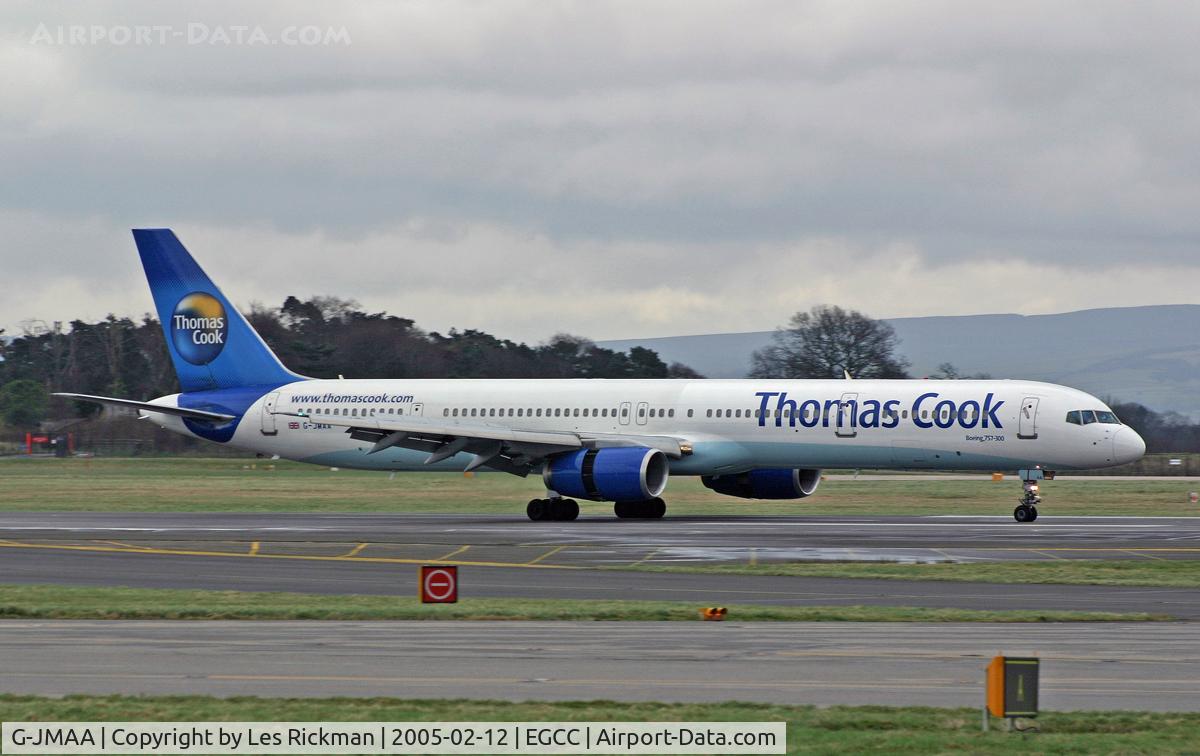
{"x": 212, "y": 417}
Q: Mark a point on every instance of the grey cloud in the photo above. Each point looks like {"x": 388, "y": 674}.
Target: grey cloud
{"x": 703, "y": 137}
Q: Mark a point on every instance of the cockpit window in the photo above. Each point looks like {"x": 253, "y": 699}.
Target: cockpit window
{"x": 1087, "y": 417}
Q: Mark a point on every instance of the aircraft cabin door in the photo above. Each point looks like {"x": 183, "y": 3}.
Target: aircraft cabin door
{"x": 847, "y": 409}
{"x": 642, "y": 411}
{"x": 268, "y": 414}
{"x": 1027, "y": 422}
{"x": 410, "y": 410}
{"x": 625, "y": 407}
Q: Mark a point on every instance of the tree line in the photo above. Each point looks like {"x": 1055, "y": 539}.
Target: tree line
{"x": 324, "y": 337}
{"x": 321, "y": 337}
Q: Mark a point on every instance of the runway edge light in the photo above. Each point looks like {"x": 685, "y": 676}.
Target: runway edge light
{"x": 1011, "y": 688}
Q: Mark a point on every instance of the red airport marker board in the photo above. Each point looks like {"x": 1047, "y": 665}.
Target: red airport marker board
{"x": 439, "y": 585}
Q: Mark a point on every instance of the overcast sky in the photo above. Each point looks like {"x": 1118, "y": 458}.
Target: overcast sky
{"x": 608, "y": 169}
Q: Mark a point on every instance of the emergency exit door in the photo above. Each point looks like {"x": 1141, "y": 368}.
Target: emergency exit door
{"x": 1027, "y": 423}
{"x": 268, "y": 414}
{"x": 846, "y": 410}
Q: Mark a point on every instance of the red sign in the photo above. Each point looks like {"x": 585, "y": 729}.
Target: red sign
{"x": 439, "y": 585}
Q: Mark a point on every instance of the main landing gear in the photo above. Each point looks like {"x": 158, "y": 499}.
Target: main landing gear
{"x": 1026, "y": 511}
{"x": 557, "y": 509}
{"x": 650, "y": 509}
{"x": 561, "y": 510}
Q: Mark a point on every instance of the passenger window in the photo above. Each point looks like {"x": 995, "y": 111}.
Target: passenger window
{"x": 671, "y": 413}
{"x": 539, "y": 412}
{"x": 455, "y": 413}
{"x": 709, "y": 413}
{"x": 558, "y": 411}
{"x": 739, "y": 413}
{"x": 576, "y": 412}
{"x": 1089, "y": 417}
{"x": 1073, "y": 417}
{"x": 641, "y": 411}
{"x": 625, "y": 412}
{"x": 446, "y": 412}
{"x": 690, "y": 412}
{"x": 718, "y": 413}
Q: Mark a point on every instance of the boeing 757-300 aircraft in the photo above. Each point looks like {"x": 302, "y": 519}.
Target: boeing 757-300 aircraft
{"x": 606, "y": 440}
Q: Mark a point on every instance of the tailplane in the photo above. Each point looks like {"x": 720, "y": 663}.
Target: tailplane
{"x": 211, "y": 344}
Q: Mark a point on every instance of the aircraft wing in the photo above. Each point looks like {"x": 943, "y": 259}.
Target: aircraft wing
{"x": 512, "y": 450}
{"x": 194, "y": 414}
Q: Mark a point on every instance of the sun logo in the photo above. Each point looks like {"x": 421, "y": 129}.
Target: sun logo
{"x": 199, "y": 328}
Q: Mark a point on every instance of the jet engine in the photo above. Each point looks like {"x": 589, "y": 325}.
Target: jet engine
{"x": 622, "y": 473}
{"x": 767, "y": 483}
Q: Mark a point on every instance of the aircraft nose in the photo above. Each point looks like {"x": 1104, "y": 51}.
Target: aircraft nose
{"x": 1128, "y": 446}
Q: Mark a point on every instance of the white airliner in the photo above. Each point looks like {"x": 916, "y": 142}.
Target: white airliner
{"x": 606, "y": 440}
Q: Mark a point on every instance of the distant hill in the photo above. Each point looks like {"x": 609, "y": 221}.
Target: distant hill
{"x": 1142, "y": 354}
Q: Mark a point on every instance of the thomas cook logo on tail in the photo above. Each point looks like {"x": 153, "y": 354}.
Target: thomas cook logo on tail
{"x": 199, "y": 328}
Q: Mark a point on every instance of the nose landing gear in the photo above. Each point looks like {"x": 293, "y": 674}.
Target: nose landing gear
{"x": 1026, "y": 511}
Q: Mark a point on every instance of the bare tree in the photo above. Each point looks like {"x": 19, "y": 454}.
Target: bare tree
{"x": 828, "y": 340}
{"x": 948, "y": 372}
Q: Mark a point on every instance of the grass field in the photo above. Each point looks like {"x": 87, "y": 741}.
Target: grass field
{"x": 60, "y": 602}
{"x": 1173, "y": 573}
{"x": 837, "y": 729}
{"x": 194, "y": 484}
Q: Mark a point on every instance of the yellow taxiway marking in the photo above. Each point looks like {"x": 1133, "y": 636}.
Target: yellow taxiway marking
{"x": 354, "y": 551}
{"x": 125, "y": 545}
{"x": 254, "y": 548}
{"x": 549, "y": 553}
{"x": 753, "y": 557}
{"x": 301, "y": 557}
{"x": 649, "y": 555}
{"x": 1135, "y": 552}
{"x": 1046, "y": 552}
{"x": 456, "y": 552}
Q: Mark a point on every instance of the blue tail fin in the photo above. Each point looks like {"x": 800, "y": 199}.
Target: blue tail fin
{"x": 211, "y": 344}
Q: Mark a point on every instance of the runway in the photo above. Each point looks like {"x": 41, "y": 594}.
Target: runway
{"x": 607, "y": 541}
{"x": 1124, "y": 666}
{"x": 507, "y": 557}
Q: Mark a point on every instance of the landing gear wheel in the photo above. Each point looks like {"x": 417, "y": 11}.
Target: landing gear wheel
{"x": 564, "y": 510}
{"x": 651, "y": 509}
{"x": 1025, "y": 513}
{"x": 656, "y": 508}
{"x": 558, "y": 510}
{"x": 538, "y": 510}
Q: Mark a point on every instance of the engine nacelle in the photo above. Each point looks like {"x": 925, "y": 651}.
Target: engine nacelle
{"x": 621, "y": 473}
{"x": 770, "y": 483}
